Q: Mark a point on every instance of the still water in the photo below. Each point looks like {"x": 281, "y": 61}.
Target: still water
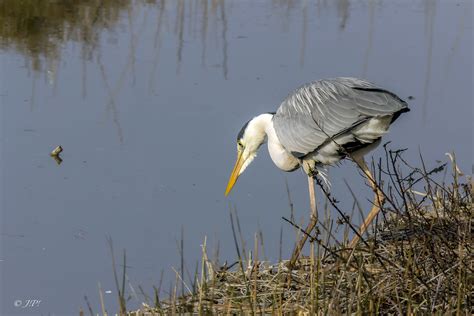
{"x": 147, "y": 97}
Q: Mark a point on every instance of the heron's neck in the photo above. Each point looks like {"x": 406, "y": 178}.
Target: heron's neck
{"x": 280, "y": 156}
{"x": 262, "y": 124}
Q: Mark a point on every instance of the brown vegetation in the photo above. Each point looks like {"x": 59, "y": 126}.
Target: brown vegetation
{"x": 417, "y": 260}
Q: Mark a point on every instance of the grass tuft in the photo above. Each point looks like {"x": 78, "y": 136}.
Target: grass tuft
{"x": 417, "y": 259}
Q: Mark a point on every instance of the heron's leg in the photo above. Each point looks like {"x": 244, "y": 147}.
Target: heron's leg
{"x": 312, "y": 198}
{"x": 312, "y": 223}
{"x": 377, "y": 203}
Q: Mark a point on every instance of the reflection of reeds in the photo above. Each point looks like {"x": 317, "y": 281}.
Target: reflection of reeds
{"x": 225, "y": 70}
{"x": 204, "y": 25}
{"x": 430, "y": 13}
{"x": 303, "y": 33}
{"x": 179, "y": 29}
{"x": 112, "y": 94}
{"x": 343, "y": 12}
{"x": 370, "y": 32}
{"x": 38, "y": 29}
{"x": 156, "y": 47}
{"x": 418, "y": 260}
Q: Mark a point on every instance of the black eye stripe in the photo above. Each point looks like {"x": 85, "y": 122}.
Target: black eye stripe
{"x": 242, "y": 131}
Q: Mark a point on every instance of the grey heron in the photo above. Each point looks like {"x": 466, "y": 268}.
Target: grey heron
{"x": 320, "y": 124}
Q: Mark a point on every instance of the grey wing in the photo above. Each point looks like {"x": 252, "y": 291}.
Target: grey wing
{"x": 316, "y": 113}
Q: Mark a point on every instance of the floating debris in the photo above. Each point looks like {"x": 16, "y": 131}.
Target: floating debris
{"x": 55, "y": 154}
{"x": 56, "y": 151}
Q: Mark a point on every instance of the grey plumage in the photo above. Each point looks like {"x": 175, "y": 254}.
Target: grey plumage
{"x": 348, "y": 112}
{"x": 320, "y": 124}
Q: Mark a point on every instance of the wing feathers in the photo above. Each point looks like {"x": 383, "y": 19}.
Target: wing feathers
{"x": 324, "y": 109}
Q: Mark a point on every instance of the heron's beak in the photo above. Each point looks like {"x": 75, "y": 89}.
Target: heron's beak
{"x": 235, "y": 172}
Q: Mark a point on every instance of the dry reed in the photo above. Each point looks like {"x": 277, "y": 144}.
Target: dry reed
{"x": 417, "y": 260}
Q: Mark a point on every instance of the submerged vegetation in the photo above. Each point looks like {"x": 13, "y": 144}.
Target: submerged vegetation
{"x": 418, "y": 259}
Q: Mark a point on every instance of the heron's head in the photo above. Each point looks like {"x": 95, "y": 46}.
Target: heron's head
{"x": 250, "y": 138}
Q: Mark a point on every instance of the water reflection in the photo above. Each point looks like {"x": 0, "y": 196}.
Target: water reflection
{"x": 224, "y": 38}
{"x": 156, "y": 47}
{"x": 179, "y": 29}
{"x": 371, "y": 6}
{"x": 111, "y": 104}
{"x": 430, "y": 12}
{"x": 303, "y": 32}
{"x": 40, "y": 30}
{"x": 343, "y": 11}
{"x": 453, "y": 51}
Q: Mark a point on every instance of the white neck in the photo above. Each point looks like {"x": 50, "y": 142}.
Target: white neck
{"x": 280, "y": 156}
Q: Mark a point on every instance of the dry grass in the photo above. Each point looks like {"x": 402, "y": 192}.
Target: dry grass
{"x": 418, "y": 260}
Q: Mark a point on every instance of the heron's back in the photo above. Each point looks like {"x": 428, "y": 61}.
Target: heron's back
{"x": 335, "y": 116}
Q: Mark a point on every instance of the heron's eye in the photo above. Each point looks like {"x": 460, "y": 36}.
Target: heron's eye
{"x": 240, "y": 145}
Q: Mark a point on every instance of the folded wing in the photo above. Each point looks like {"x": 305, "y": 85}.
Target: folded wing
{"x": 324, "y": 110}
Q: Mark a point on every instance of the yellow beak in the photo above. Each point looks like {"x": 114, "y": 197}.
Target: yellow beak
{"x": 235, "y": 172}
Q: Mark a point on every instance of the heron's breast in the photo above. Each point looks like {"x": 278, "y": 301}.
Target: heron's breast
{"x": 281, "y": 157}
